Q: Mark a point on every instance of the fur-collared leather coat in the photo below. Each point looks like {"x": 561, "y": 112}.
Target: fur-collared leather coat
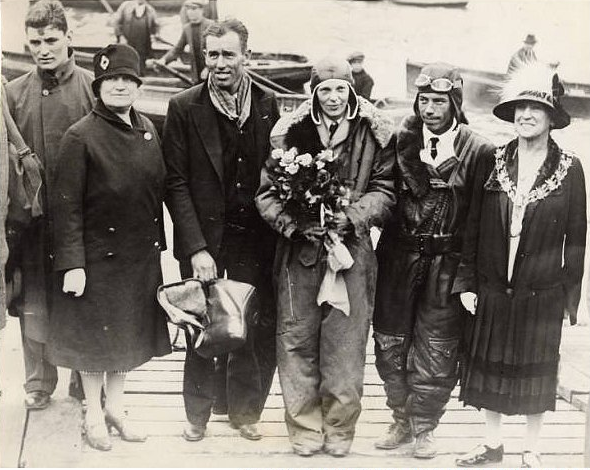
{"x": 367, "y": 157}
{"x": 416, "y": 193}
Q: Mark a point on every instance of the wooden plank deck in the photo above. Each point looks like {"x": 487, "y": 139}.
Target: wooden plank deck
{"x": 154, "y": 400}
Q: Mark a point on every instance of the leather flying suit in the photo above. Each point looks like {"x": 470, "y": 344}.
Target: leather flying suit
{"x": 418, "y": 324}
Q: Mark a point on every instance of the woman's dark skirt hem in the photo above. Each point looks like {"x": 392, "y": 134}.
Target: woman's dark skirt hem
{"x": 507, "y": 405}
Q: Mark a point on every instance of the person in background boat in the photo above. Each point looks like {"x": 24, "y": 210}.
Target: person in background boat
{"x": 417, "y": 323}
{"x": 363, "y": 82}
{"x": 525, "y": 55}
{"x": 44, "y": 103}
{"x": 522, "y": 266}
{"x": 108, "y": 230}
{"x": 135, "y": 23}
{"x": 215, "y": 141}
{"x": 321, "y": 348}
{"x": 192, "y": 35}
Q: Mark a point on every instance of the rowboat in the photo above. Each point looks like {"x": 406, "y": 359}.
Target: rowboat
{"x": 171, "y": 5}
{"x": 433, "y": 3}
{"x": 290, "y": 71}
{"x": 481, "y": 90}
{"x": 155, "y": 92}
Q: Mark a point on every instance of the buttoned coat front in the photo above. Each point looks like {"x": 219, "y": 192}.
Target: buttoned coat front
{"x": 109, "y": 192}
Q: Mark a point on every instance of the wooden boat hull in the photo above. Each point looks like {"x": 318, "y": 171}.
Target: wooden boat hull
{"x": 163, "y": 5}
{"x": 155, "y": 92}
{"x": 481, "y": 90}
{"x": 433, "y": 3}
{"x": 288, "y": 70}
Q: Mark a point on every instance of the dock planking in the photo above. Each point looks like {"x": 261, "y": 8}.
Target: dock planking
{"x": 154, "y": 401}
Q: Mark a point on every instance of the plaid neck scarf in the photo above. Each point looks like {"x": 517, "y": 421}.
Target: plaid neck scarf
{"x": 235, "y": 107}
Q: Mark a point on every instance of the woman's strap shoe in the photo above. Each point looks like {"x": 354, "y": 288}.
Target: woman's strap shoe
{"x": 97, "y": 436}
{"x": 126, "y": 430}
{"x": 481, "y": 455}
{"x": 531, "y": 460}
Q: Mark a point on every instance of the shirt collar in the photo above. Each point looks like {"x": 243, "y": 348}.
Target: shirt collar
{"x": 449, "y": 135}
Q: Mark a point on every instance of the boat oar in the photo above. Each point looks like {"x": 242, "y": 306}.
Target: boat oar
{"x": 163, "y": 41}
{"x": 269, "y": 83}
{"x": 174, "y": 72}
{"x": 107, "y": 6}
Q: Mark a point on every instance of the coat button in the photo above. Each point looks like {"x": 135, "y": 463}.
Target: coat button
{"x": 156, "y": 220}
{"x": 509, "y": 291}
{"x": 148, "y": 136}
{"x": 112, "y": 229}
{"x": 110, "y": 254}
{"x": 240, "y": 160}
{"x": 45, "y": 92}
{"x": 157, "y": 244}
{"x": 238, "y": 185}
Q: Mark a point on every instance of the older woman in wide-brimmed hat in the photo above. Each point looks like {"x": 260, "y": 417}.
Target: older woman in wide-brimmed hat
{"x": 108, "y": 236}
{"x": 522, "y": 266}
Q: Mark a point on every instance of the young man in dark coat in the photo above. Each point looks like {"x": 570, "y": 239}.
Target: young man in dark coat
{"x": 215, "y": 141}
{"x": 363, "y": 82}
{"x": 44, "y": 103}
{"x": 417, "y": 322}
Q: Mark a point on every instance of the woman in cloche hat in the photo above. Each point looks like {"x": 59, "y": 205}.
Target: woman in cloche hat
{"x": 522, "y": 266}
{"x": 108, "y": 235}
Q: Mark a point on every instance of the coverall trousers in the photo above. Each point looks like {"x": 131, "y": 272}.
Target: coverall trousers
{"x": 321, "y": 352}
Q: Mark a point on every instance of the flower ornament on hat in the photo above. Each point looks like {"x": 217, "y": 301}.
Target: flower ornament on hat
{"x": 332, "y": 68}
{"x": 114, "y": 60}
{"x": 537, "y": 82}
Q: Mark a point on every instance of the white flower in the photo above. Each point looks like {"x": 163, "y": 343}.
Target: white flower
{"x": 292, "y": 168}
{"x": 320, "y": 164}
{"x": 277, "y": 154}
{"x": 305, "y": 159}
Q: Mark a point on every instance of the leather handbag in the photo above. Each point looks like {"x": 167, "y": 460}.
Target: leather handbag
{"x": 223, "y": 308}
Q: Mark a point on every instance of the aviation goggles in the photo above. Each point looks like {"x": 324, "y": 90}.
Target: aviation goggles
{"x": 439, "y": 85}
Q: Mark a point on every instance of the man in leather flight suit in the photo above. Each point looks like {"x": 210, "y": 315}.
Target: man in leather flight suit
{"x": 417, "y": 323}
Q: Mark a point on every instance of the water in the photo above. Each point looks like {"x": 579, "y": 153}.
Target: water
{"x": 483, "y": 36}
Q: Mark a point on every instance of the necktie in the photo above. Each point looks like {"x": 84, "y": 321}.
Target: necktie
{"x": 332, "y": 129}
{"x": 433, "y": 150}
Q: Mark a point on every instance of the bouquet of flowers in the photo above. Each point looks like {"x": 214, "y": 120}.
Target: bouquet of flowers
{"x": 307, "y": 185}
{"x": 311, "y": 191}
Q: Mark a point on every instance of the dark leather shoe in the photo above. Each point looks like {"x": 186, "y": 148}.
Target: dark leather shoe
{"x": 193, "y": 432}
{"x": 531, "y": 460}
{"x": 481, "y": 455}
{"x": 425, "y": 447}
{"x": 399, "y": 433}
{"x": 37, "y": 400}
{"x": 248, "y": 431}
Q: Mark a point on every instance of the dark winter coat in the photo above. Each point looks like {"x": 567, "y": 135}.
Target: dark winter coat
{"x": 43, "y": 109}
{"x": 514, "y": 337}
{"x": 193, "y": 152}
{"x": 363, "y": 84}
{"x": 108, "y": 220}
{"x": 417, "y": 193}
